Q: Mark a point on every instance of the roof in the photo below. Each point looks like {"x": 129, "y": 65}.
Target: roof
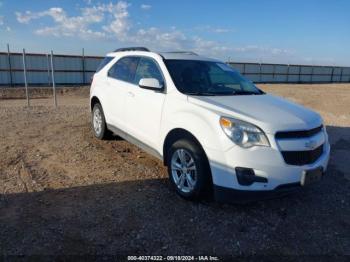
{"x": 176, "y": 55}
{"x": 185, "y": 56}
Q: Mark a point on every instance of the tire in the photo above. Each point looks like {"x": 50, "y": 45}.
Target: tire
{"x": 98, "y": 123}
{"x": 196, "y": 179}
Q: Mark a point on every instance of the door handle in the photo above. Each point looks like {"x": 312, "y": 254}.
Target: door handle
{"x": 131, "y": 94}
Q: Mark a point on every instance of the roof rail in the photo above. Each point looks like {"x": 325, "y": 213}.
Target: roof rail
{"x": 140, "y": 48}
{"x": 181, "y": 52}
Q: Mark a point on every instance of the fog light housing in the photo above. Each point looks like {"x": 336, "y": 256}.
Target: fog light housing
{"x": 246, "y": 176}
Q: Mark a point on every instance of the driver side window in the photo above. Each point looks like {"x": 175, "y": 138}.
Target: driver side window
{"x": 148, "y": 68}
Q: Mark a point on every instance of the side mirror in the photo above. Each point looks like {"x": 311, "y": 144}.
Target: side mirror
{"x": 150, "y": 83}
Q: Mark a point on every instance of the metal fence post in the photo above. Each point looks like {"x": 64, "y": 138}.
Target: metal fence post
{"x": 341, "y": 74}
{"x": 53, "y": 81}
{"x": 9, "y": 61}
{"x": 312, "y": 74}
{"x": 260, "y": 76}
{"x": 299, "y": 80}
{"x": 48, "y": 70}
{"x": 332, "y": 74}
{"x": 287, "y": 73}
{"x": 83, "y": 65}
{"x": 25, "y": 76}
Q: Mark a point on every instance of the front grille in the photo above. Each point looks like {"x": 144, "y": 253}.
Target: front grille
{"x": 300, "y": 158}
{"x": 298, "y": 134}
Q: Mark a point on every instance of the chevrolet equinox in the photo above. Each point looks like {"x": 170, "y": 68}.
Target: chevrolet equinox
{"x": 216, "y": 132}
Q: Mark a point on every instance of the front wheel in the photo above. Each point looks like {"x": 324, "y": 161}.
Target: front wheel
{"x": 189, "y": 170}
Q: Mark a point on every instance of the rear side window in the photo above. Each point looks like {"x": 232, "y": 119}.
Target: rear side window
{"x": 104, "y": 62}
{"x": 148, "y": 69}
{"x": 124, "y": 69}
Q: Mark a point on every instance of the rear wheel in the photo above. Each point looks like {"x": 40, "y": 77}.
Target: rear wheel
{"x": 188, "y": 169}
{"x": 99, "y": 126}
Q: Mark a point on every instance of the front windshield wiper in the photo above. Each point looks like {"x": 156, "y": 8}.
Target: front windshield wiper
{"x": 241, "y": 92}
{"x": 238, "y": 92}
{"x": 200, "y": 94}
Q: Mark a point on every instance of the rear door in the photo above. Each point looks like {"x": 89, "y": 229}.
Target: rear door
{"x": 143, "y": 106}
{"x": 120, "y": 78}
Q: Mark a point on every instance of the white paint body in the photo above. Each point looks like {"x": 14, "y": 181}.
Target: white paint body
{"x": 149, "y": 116}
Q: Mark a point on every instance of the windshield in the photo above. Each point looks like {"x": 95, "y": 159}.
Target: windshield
{"x": 206, "y": 78}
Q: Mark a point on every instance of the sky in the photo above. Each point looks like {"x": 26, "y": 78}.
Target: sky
{"x": 268, "y": 31}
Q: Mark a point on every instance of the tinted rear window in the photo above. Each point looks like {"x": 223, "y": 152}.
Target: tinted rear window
{"x": 124, "y": 69}
{"x": 104, "y": 62}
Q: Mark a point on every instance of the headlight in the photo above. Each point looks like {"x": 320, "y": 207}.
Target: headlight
{"x": 242, "y": 133}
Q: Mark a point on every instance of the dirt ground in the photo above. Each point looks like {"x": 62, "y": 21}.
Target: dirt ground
{"x": 62, "y": 192}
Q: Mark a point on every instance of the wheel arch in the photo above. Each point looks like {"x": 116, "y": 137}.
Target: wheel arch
{"x": 94, "y": 100}
{"x": 175, "y": 135}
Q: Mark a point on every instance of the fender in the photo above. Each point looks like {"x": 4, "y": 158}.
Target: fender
{"x": 204, "y": 128}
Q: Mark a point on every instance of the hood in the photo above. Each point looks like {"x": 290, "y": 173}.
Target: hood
{"x": 271, "y": 113}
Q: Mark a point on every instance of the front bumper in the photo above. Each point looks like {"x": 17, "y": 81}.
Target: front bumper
{"x": 230, "y": 195}
{"x": 267, "y": 162}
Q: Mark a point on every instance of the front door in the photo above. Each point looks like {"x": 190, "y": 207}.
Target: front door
{"x": 143, "y": 106}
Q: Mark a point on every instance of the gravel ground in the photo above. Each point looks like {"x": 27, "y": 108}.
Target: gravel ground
{"x": 64, "y": 192}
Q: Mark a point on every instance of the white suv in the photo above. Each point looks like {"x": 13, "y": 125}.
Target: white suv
{"x": 215, "y": 131}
